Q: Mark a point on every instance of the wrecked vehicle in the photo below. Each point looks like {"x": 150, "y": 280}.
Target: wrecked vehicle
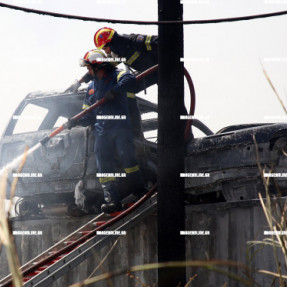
{"x": 51, "y": 173}
{"x": 218, "y": 167}
{"x": 235, "y": 159}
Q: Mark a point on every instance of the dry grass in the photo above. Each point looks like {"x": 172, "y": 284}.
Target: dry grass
{"x": 211, "y": 265}
{"x": 6, "y": 236}
{"x": 276, "y": 219}
{"x": 273, "y": 88}
{"x": 190, "y": 280}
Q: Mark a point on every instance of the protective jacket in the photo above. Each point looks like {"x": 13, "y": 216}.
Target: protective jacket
{"x": 140, "y": 51}
{"x": 113, "y": 114}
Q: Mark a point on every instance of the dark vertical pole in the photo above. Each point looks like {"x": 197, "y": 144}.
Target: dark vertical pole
{"x": 171, "y": 215}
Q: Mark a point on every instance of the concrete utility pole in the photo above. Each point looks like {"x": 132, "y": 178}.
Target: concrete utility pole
{"x": 171, "y": 213}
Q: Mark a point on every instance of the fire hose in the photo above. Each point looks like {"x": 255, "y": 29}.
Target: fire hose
{"x": 138, "y": 78}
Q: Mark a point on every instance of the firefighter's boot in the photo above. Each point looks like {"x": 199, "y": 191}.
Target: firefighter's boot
{"x": 112, "y": 199}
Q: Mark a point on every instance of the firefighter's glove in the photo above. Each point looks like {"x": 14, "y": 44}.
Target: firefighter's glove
{"x": 87, "y": 78}
{"x": 71, "y": 123}
{"x": 74, "y": 87}
{"x": 110, "y": 95}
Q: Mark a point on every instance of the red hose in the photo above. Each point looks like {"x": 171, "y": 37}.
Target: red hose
{"x": 192, "y": 95}
{"x": 84, "y": 238}
{"x": 76, "y": 117}
{"x": 192, "y": 103}
{"x": 138, "y": 78}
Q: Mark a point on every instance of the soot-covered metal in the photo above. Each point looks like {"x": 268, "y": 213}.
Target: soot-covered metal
{"x": 67, "y": 158}
{"x": 227, "y": 157}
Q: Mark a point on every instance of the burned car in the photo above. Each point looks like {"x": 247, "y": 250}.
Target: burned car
{"x": 218, "y": 167}
{"x": 51, "y": 173}
{"x": 234, "y": 160}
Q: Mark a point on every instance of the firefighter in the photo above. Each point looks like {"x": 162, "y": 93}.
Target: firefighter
{"x": 139, "y": 52}
{"x": 112, "y": 136}
{"x": 135, "y": 116}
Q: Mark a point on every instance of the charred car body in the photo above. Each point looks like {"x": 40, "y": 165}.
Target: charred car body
{"x": 52, "y": 172}
{"x": 227, "y": 160}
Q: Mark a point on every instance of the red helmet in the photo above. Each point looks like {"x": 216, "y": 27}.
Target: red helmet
{"x": 93, "y": 57}
{"x": 103, "y": 36}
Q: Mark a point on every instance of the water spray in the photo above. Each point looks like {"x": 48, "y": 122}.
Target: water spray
{"x": 8, "y": 167}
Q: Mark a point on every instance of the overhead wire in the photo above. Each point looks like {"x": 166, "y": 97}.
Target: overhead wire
{"x": 185, "y": 22}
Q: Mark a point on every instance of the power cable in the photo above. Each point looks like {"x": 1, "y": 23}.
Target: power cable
{"x": 211, "y": 21}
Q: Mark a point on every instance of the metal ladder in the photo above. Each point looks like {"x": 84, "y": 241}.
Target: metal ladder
{"x": 79, "y": 245}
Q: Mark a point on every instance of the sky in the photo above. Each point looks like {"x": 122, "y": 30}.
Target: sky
{"x": 42, "y": 53}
